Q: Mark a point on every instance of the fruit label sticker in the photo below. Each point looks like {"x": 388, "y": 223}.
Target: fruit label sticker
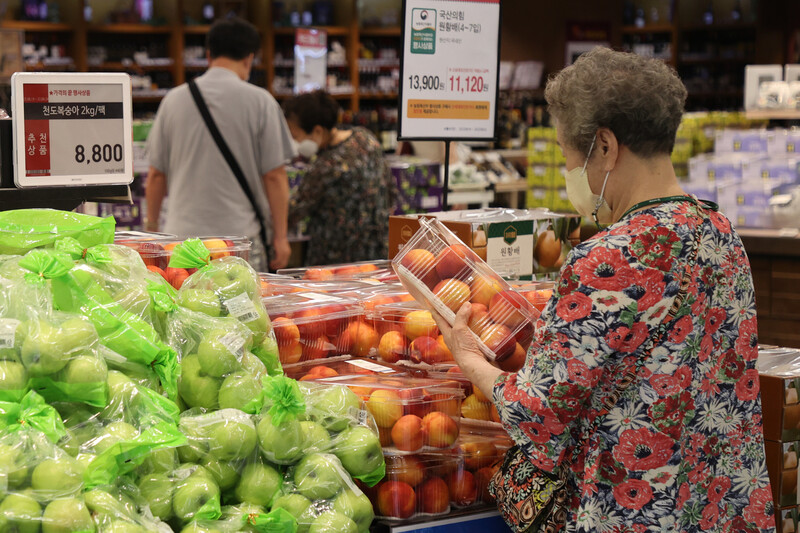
{"x": 233, "y": 342}
{"x": 509, "y": 250}
{"x": 368, "y": 365}
{"x": 8, "y": 330}
{"x": 241, "y": 308}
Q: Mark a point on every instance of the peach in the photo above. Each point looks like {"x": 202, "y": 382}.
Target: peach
{"x": 494, "y": 414}
{"x": 157, "y": 270}
{"x": 406, "y": 468}
{"x": 478, "y": 454}
{"x": 482, "y": 478}
{"x": 420, "y": 323}
{"x": 318, "y": 348}
{"x": 509, "y": 308}
{"x": 286, "y": 331}
{"x": 515, "y": 362}
{"x": 176, "y": 276}
{"x": 386, "y": 407}
{"x": 475, "y": 409}
{"x": 483, "y": 289}
{"x": 309, "y": 323}
{"x": 446, "y": 353}
{"x": 425, "y": 350}
{"x": 362, "y": 338}
{"x": 420, "y": 263}
{"x": 524, "y": 335}
{"x": 499, "y": 340}
{"x": 440, "y": 430}
{"x": 322, "y": 371}
{"x": 318, "y": 274}
{"x": 450, "y": 263}
{"x": 392, "y": 347}
{"x": 479, "y": 395}
{"x": 478, "y": 318}
{"x": 462, "y": 487}
{"x": 538, "y": 298}
{"x": 290, "y": 353}
{"x": 396, "y": 499}
{"x": 434, "y": 496}
{"x": 452, "y": 292}
{"x": 385, "y": 437}
{"x": 407, "y": 433}
{"x": 217, "y": 247}
{"x": 415, "y": 402}
{"x": 445, "y": 402}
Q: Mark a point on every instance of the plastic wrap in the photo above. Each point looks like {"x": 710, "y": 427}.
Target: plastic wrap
{"x": 120, "y": 507}
{"x": 22, "y": 230}
{"x": 407, "y": 333}
{"x": 378, "y": 270}
{"x": 414, "y": 486}
{"x": 342, "y": 365}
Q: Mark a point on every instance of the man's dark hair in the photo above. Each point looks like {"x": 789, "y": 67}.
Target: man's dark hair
{"x": 232, "y": 37}
{"x": 312, "y": 109}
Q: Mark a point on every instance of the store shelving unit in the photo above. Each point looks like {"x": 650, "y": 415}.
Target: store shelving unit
{"x": 66, "y": 198}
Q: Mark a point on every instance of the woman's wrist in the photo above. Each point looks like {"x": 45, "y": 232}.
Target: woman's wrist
{"x": 151, "y": 225}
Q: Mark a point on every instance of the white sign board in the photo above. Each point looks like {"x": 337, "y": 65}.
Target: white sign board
{"x": 310, "y": 60}
{"x": 72, "y": 129}
{"x": 449, "y": 69}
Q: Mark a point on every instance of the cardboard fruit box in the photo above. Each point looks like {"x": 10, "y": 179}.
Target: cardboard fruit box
{"x": 439, "y": 270}
{"x": 782, "y": 460}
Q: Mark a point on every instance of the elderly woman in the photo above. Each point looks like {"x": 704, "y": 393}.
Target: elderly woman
{"x": 640, "y": 386}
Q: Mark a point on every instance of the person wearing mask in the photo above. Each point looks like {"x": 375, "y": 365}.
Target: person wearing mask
{"x": 347, "y": 192}
{"x": 640, "y": 386}
{"x": 205, "y": 196}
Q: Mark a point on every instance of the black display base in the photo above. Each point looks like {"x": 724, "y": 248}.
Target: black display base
{"x": 477, "y": 520}
{"x": 65, "y": 198}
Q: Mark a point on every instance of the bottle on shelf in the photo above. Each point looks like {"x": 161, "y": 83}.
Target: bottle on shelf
{"x": 294, "y": 16}
{"x": 87, "y": 11}
{"x": 708, "y": 15}
{"x": 208, "y": 12}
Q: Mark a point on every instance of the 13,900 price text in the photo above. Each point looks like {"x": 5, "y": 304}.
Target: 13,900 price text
{"x": 425, "y": 83}
{"x": 104, "y": 153}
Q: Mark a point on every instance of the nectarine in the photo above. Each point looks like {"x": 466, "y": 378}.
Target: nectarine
{"x": 396, "y": 499}
{"x": 407, "y": 433}
{"x": 434, "y": 496}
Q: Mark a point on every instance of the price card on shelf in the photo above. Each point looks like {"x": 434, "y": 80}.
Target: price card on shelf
{"x": 310, "y": 60}
{"x": 449, "y": 69}
{"x": 72, "y": 129}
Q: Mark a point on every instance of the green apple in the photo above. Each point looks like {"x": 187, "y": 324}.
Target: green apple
{"x": 192, "y": 493}
{"x": 233, "y": 278}
{"x": 110, "y": 502}
{"x": 156, "y": 489}
{"x": 66, "y": 515}
{"x": 10, "y": 354}
{"x": 268, "y": 353}
{"x": 335, "y": 407}
{"x": 134, "y": 299}
{"x": 161, "y": 460}
{"x": 253, "y": 365}
{"x": 82, "y": 426}
{"x": 231, "y": 438}
{"x": 319, "y": 476}
{"x": 113, "y": 433}
{"x": 196, "y": 388}
{"x": 85, "y": 459}
{"x": 315, "y": 437}
{"x": 236, "y": 516}
{"x": 44, "y": 352}
{"x": 11, "y": 467}
{"x": 121, "y": 389}
{"x": 260, "y": 326}
{"x": 120, "y": 526}
{"x": 20, "y": 513}
{"x": 225, "y": 473}
{"x": 298, "y": 506}
{"x": 196, "y": 527}
{"x": 359, "y": 450}
{"x": 193, "y": 452}
{"x": 333, "y": 522}
{"x": 78, "y": 332}
{"x": 355, "y": 506}
{"x": 282, "y": 443}
{"x": 258, "y": 484}
{"x": 238, "y": 391}
{"x": 200, "y": 300}
{"x": 216, "y": 354}
{"x": 57, "y": 477}
{"x": 13, "y": 376}
{"x": 85, "y": 369}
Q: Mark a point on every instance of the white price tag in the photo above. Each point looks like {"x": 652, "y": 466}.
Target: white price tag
{"x": 369, "y": 365}
{"x": 233, "y": 342}
{"x": 241, "y": 308}
{"x": 319, "y": 297}
{"x": 8, "y": 331}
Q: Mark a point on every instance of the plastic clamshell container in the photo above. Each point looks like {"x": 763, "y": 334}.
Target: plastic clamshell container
{"x": 341, "y": 365}
{"x": 437, "y": 268}
{"x": 412, "y": 414}
{"x": 313, "y": 325}
{"x": 156, "y": 251}
{"x": 288, "y": 285}
{"x": 478, "y": 458}
{"x": 378, "y": 294}
{"x": 538, "y": 293}
{"x": 407, "y": 333}
{"x": 414, "y": 486}
{"x": 379, "y": 270}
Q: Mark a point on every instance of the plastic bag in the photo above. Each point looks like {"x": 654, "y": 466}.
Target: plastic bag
{"x": 121, "y": 507}
{"x": 226, "y": 286}
{"x": 280, "y": 435}
{"x": 246, "y": 518}
{"x": 22, "y": 230}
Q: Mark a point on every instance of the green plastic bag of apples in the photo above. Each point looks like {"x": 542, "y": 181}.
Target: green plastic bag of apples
{"x": 48, "y": 351}
{"x": 22, "y": 230}
{"x": 227, "y": 286}
{"x": 120, "y": 508}
{"x": 108, "y": 285}
{"x": 245, "y": 518}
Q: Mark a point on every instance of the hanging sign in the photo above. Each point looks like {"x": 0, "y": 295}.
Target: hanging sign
{"x": 72, "y": 129}
{"x": 310, "y": 60}
{"x": 449, "y": 69}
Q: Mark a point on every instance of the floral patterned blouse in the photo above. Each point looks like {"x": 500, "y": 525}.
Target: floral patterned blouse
{"x": 682, "y": 450}
{"x": 348, "y": 194}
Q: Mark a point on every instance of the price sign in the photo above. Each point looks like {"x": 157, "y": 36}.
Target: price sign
{"x": 449, "y": 69}
{"x": 72, "y": 129}
{"x": 310, "y": 60}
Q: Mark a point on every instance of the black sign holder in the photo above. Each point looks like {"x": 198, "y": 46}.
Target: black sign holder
{"x": 446, "y": 140}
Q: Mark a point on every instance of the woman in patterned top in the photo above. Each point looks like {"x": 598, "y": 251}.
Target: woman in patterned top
{"x": 682, "y": 449}
{"x": 347, "y": 192}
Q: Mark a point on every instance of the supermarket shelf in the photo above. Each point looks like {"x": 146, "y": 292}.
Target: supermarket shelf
{"x": 143, "y": 29}
{"x": 66, "y": 198}
{"x": 197, "y": 30}
{"x": 655, "y": 28}
{"x": 456, "y": 521}
{"x": 330, "y": 30}
{"x": 35, "y": 26}
{"x": 391, "y": 31}
{"x": 481, "y": 196}
{"x": 377, "y": 96}
{"x": 773, "y": 114}
{"x": 515, "y": 153}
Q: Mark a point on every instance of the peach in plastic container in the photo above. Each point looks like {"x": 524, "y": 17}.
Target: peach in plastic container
{"x": 414, "y": 486}
{"x": 340, "y": 365}
{"x": 407, "y": 333}
{"x": 272, "y": 284}
{"x": 314, "y": 325}
{"x": 379, "y": 270}
{"x": 412, "y": 414}
{"x": 479, "y": 457}
{"x": 538, "y": 293}
{"x": 441, "y": 271}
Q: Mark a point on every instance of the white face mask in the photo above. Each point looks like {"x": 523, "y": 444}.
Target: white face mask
{"x": 307, "y": 148}
{"x": 580, "y": 194}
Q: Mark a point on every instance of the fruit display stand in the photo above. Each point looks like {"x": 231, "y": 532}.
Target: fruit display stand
{"x": 462, "y": 521}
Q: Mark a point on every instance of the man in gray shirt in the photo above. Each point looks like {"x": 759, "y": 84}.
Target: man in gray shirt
{"x": 204, "y": 195}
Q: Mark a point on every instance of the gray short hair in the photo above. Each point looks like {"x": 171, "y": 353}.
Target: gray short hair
{"x": 640, "y": 100}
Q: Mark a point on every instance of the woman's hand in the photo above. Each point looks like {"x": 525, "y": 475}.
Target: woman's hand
{"x": 467, "y": 354}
